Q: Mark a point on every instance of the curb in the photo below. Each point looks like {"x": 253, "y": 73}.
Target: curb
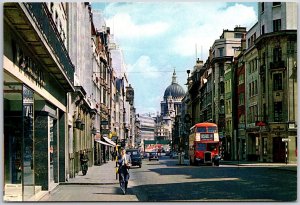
{"x": 88, "y": 183}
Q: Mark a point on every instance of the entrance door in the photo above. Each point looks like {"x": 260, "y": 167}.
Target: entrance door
{"x": 278, "y": 150}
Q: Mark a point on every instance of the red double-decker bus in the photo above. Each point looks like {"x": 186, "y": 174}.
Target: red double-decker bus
{"x": 204, "y": 144}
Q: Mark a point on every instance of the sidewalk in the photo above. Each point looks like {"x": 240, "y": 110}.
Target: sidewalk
{"x": 281, "y": 166}
{"x": 103, "y": 180}
{"x": 97, "y": 174}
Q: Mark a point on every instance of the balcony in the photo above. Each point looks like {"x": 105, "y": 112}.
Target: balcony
{"x": 36, "y": 27}
{"x": 277, "y": 65}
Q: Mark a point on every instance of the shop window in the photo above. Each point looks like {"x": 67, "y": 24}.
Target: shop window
{"x": 265, "y": 146}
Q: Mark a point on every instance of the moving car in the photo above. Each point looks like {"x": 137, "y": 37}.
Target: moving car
{"x": 135, "y": 156}
{"x": 153, "y": 156}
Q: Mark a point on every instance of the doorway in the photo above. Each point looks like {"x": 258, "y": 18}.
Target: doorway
{"x": 278, "y": 150}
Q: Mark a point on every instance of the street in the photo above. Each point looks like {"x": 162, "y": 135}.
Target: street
{"x": 165, "y": 180}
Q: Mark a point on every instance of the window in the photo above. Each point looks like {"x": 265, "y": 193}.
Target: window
{"x": 51, "y": 7}
{"x": 276, "y": 3}
{"x": 238, "y": 35}
{"x": 241, "y": 99}
{"x": 263, "y": 29}
{"x": 277, "y": 54}
{"x": 212, "y": 129}
{"x": 221, "y": 52}
{"x": 276, "y": 25}
{"x": 262, "y": 7}
{"x": 201, "y": 147}
{"x": 241, "y": 79}
{"x": 256, "y": 90}
{"x": 263, "y": 58}
{"x": 221, "y": 70}
{"x": 277, "y": 81}
{"x": 222, "y": 88}
{"x": 277, "y": 111}
{"x": 265, "y": 144}
{"x": 201, "y": 129}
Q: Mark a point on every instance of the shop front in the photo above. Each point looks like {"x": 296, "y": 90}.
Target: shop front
{"x": 34, "y": 97}
{"x": 31, "y": 141}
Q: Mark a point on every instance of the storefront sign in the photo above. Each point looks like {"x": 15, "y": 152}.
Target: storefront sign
{"x": 27, "y": 65}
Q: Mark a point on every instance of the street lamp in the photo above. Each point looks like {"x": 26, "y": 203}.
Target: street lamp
{"x": 78, "y": 122}
{"x": 94, "y": 130}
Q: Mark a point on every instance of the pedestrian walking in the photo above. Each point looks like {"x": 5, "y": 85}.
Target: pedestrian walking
{"x": 107, "y": 155}
{"x": 123, "y": 170}
{"x": 83, "y": 162}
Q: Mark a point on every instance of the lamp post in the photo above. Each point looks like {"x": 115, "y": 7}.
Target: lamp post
{"x": 78, "y": 122}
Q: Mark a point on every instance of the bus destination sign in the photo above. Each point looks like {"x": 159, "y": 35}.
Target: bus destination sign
{"x": 207, "y": 136}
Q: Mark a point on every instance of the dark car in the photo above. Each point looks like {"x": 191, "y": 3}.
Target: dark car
{"x": 153, "y": 156}
{"x": 135, "y": 156}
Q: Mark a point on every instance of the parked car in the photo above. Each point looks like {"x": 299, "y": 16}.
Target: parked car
{"x": 145, "y": 155}
{"x": 153, "y": 156}
{"x": 173, "y": 155}
{"x": 135, "y": 157}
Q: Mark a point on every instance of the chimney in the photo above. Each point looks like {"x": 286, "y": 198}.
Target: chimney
{"x": 243, "y": 42}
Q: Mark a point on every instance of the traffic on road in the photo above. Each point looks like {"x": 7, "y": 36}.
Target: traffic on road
{"x": 167, "y": 180}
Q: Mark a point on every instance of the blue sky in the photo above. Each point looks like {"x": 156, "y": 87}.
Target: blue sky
{"x": 158, "y": 37}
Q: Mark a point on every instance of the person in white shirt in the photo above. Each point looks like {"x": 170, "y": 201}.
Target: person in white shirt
{"x": 123, "y": 170}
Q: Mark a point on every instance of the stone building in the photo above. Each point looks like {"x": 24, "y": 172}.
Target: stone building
{"x": 223, "y": 51}
{"x": 38, "y": 73}
{"x": 275, "y": 134}
{"x": 171, "y": 106}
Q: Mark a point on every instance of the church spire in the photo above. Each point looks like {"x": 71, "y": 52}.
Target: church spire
{"x": 174, "y": 77}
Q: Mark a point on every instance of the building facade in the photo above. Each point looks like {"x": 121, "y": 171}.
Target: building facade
{"x": 223, "y": 51}
{"x": 62, "y": 90}
{"x": 277, "y": 65}
{"x": 38, "y": 74}
{"x": 254, "y": 87}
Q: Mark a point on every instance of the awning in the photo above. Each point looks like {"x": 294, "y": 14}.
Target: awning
{"x": 109, "y": 141}
{"x": 101, "y": 142}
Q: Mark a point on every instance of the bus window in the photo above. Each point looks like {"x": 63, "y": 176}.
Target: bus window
{"x": 201, "y": 147}
{"x": 212, "y": 129}
{"x": 201, "y": 129}
{"x": 211, "y": 147}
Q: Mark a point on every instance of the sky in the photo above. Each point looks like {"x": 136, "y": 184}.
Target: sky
{"x": 158, "y": 37}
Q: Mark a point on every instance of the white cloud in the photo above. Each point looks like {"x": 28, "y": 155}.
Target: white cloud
{"x": 123, "y": 26}
{"x": 205, "y": 34}
{"x": 143, "y": 66}
{"x": 158, "y": 36}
